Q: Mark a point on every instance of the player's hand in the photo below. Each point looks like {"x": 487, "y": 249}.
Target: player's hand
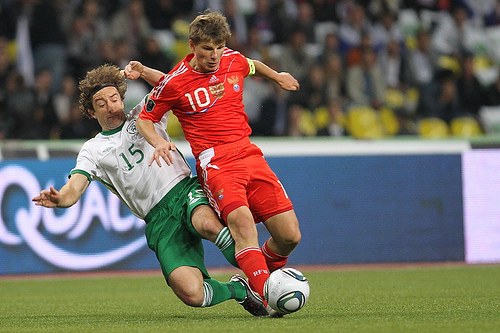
{"x": 133, "y": 70}
{"x": 162, "y": 151}
{"x": 48, "y": 198}
{"x": 287, "y": 81}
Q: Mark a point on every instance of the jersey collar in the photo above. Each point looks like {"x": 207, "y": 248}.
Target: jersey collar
{"x": 113, "y": 131}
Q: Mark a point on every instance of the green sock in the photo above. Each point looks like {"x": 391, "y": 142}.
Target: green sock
{"x": 217, "y": 292}
{"x": 225, "y": 243}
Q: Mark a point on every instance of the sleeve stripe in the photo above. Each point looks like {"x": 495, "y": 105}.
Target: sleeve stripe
{"x": 86, "y": 174}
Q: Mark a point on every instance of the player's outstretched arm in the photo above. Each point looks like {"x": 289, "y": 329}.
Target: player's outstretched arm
{"x": 162, "y": 146}
{"x": 136, "y": 69}
{"x": 283, "y": 79}
{"x": 67, "y": 196}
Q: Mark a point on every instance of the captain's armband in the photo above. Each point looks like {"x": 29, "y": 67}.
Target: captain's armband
{"x": 252, "y": 67}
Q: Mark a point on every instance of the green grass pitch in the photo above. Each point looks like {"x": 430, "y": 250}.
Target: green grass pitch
{"x": 443, "y": 298}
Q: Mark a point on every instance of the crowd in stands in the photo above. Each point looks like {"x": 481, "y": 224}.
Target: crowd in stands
{"x": 408, "y": 59}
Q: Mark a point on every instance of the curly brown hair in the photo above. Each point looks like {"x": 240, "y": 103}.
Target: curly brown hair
{"x": 209, "y": 26}
{"x": 96, "y": 79}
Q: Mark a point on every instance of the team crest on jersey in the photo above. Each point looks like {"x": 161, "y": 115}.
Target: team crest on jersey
{"x": 217, "y": 90}
{"x": 235, "y": 81}
{"x": 220, "y": 194}
{"x": 150, "y": 106}
{"x": 132, "y": 129}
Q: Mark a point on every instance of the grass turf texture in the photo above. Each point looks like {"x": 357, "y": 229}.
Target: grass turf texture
{"x": 446, "y": 298}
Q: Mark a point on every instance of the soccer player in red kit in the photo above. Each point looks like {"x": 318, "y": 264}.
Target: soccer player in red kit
{"x": 205, "y": 92}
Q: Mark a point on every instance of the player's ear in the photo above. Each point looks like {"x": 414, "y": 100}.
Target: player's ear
{"x": 91, "y": 113}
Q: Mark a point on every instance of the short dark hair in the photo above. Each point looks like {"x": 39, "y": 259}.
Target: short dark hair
{"x": 209, "y": 26}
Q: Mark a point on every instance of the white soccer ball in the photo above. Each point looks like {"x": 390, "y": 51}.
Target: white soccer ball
{"x": 286, "y": 290}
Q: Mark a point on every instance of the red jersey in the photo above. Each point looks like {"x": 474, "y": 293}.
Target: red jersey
{"x": 209, "y": 106}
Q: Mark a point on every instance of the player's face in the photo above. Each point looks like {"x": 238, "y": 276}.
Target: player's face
{"x": 108, "y": 108}
{"x": 207, "y": 56}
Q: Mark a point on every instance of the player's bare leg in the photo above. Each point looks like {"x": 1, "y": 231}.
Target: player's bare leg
{"x": 285, "y": 236}
{"x": 248, "y": 253}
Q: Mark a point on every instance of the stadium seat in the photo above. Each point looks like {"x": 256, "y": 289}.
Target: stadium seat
{"x": 451, "y": 63}
{"x": 490, "y": 119}
{"x": 389, "y": 120}
{"x": 394, "y": 98}
{"x": 363, "y": 123}
{"x": 174, "y": 127}
{"x": 465, "y": 127}
{"x": 432, "y": 128}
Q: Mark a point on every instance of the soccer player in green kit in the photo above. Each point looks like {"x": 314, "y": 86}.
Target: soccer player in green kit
{"x": 169, "y": 199}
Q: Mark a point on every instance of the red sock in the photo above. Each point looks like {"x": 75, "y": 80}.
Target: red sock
{"x": 274, "y": 261}
{"x": 253, "y": 264}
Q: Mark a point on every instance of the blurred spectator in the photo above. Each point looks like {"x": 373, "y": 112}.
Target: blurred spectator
{"x": 273, "y": 120}
{"x": 335, "y": 77}
{"x": 332, "y": 125}
{"x": 421, "y": 5}
{"x": 130, "y": 25}
{"x": 330, "y": 46}
{"x": 440, "y": 98}
{"x": 325, "y": 10}
{"x": 450, "y": 36}
{"x": 470, "y": 90}
{"x": 64, "y": 99}
{"x": 151, "y": 54}
{"x": 264, "y": 20}
{"x": 354, "y": 54}
{"x": 353, "y": 26}
{"x": 48, "y": 40}
{"x": 422, "y": 61}
{"x": 78, "y": 126}
{"x": 313, "y": 91}
{"x": 237, "y": 23}
{"x": 162, "y": 13}
{"x": 377, "y": 8}
{"x": 107, "y": 52}
{"x": 393, "y": 63}
{"x": 19, "y": 105}
{"x": 6, "y": 67}
{"x": 365, "y": 83}
{"x": 294, "y": 58}
{"x": 123, "y": 52}
{"x": 295, "y": 128}
{"x": 256, "y": 91}
{"x": 493, "y": 92}
{"x": 305, "y": 21}
{"x": 254, "y": 48}
{"x": 484, "y": 13}
{"x": 45, "y": 114}
{"x": 85, "y": 31}
{"x": 385, "y": 30}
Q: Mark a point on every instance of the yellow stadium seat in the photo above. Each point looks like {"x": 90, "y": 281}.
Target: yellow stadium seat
{"x": 363, "y": 123}
{"x": 394, "y": 98}
{"x": 450, "y": 62}
{"x": 389, "y": 120}
{"x": 306, "y": 123}
{"x": 433, "y": 128}
{"x": 321, "y": 117}
{"x": 465, "y": 127}
{"x": 174, "y": 128}
{"x": 482, "y": 62}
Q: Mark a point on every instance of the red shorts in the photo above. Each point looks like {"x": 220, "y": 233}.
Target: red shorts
{"x": 236, "y": 174}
